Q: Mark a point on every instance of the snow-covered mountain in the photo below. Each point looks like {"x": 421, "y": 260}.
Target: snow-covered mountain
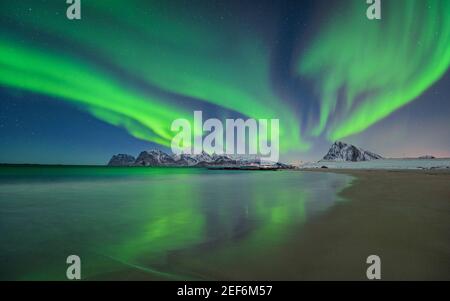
{"x": 341, "y": 151}
{"x": 203, "y": 159}
{"x": 122, "y": 160}
{"x": 154, "y": 158}
{"x": 160, "y": 158}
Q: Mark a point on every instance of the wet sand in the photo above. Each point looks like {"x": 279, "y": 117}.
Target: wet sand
{"x": 401, "y": 216}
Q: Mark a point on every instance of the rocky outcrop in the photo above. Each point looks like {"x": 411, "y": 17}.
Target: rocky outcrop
{"x": 122, "y": 160}
{"x": 341, "y": 151}
{"x": 154, "y": 158}
{"x": 160, "y": 158}
{"x": 427, "y": 157}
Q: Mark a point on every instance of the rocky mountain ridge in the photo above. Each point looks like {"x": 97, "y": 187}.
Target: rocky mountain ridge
{"x": 340, "y": 151}
{"x": 160, "y": 158}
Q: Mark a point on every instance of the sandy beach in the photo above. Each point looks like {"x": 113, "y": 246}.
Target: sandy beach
{"x": 401, "y": 216}
{"x": 304, "y": 224}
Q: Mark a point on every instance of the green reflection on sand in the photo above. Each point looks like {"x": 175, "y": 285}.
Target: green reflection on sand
{"x": 153, "y": 223}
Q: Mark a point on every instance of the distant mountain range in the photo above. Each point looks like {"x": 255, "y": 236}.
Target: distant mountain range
{"x": 160, "y": 158}
{"x": 340, "y": 151}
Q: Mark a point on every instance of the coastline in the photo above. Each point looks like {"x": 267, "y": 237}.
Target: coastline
{"x": 403, "y": 216}
{"x": 400, "y": 215}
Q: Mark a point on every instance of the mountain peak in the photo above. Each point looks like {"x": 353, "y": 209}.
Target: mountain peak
{"x": 122, "y": 160}
{"x": 341, "y": 151}
{"x": 160, "y": 158}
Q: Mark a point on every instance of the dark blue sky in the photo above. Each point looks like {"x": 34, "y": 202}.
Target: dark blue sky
{"x": 37, "y": 127}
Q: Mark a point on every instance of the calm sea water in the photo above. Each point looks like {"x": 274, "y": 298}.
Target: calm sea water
{"x": 154, "y": 223}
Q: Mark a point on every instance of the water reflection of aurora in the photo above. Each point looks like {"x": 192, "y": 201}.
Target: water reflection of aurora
{"x": 201, "y": 217}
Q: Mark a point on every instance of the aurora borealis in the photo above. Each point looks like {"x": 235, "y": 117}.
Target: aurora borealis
{"x": 320, "y": 67}
{"x": 380, "y": 66}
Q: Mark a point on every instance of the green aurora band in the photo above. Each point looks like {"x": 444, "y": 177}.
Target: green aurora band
{"x": 34, "y": 70}
{"x": 381, "y": 65}
{"x": 167, "y": 48}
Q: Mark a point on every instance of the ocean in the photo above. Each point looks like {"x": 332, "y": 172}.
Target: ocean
{"x": 155, "y": 223}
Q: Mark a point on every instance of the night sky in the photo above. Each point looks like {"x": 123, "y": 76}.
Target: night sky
{"x": 77, "y": 92}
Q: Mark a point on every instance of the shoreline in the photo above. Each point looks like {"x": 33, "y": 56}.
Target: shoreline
{"x": 403, "y": 216}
